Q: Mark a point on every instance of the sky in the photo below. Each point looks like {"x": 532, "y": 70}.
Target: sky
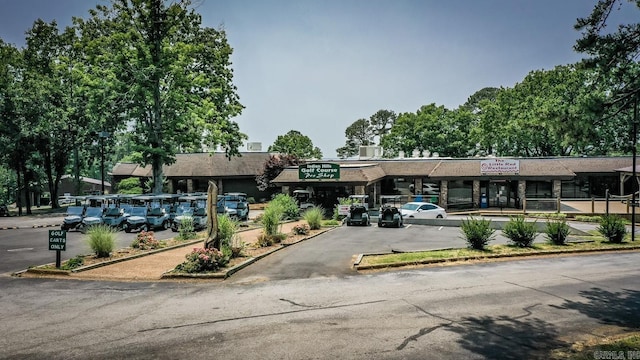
{"x": 318, "y": 66}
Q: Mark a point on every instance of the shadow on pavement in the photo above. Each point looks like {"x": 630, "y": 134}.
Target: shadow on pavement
{"x": 610, "y": 308}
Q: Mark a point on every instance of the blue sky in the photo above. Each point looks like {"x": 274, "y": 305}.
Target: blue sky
{"x": 318, "y": 66}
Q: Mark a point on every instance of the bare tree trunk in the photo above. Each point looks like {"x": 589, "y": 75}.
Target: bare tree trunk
{"x": 213, "y": 240}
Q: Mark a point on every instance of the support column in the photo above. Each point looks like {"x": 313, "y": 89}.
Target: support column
{"x": 476, "y": 194}
{"x": 285, "y": 189}
{"x": 418, "y": 186}
{"x": 556, "y": 189}
{"x": 219, "y": 183}
{"x": 359, "y": 190}
{"x": 522, "y": 191}
{"x": 170, "y": 186}
{"x": 189, "y": 185}
{"x": 444, "y": 193}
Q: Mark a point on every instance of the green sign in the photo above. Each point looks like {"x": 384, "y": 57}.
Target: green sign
{"x": 58, "y": 240}
{"x": 319, "y": 171}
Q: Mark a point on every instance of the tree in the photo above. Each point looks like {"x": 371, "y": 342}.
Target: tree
{"x": 363, "y": 132}
{"x": 360, "y": 133}
{"x": 432, "y": 129}
{"x": 296, "y": 144}
{"x": 613, "y": 54}
{"x": 171, "y": 77}
{"x": 273, "y": 167}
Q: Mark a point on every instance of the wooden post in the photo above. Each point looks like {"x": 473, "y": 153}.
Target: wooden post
{"x": 212, "y": 240}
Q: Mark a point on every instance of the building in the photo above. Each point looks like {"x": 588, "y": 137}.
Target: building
{"x": 452, "y": 183}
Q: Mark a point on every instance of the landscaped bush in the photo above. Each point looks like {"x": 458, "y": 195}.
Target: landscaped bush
{"x": 477, "y": 232}
{"x": 613, "y": 228}
{"x": 102, "y": 239}
{"x": 557, "y": 232}
{"x": 271, "y": 218}
{"x": 73, "y": 263}
{"x": 330, "y": 222}
{"x": 313, "y": 217}
{"x": 265, "y": 240}
{"x": 186, "y": 230}
{"x": 549, "y": 215}
{"x": 288, "y": 204}
{"x": 203, "y": 260}
{"x": 301, "y": 229}
{"x": 231, "y": 243}
{"x": 145, "y": 240}
{"x": 520, "y": 232}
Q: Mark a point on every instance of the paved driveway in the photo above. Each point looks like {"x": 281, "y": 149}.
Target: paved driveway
{"x": 333, "y": 253}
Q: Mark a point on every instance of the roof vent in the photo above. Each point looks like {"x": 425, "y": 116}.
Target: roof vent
{"x": 254, "y": 146}
{"x": 370, "y": 152}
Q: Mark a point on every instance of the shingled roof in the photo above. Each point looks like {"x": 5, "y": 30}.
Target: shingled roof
{"x": 201, "y": 165}
{"x": 349, "y": 173}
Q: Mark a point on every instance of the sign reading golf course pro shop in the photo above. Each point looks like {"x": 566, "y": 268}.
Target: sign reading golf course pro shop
{"x": 319, "y": 171}
{"x": 500, "y": 167}
{"x": 58, "y": 240}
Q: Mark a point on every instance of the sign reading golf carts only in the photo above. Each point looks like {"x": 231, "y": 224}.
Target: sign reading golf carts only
{"x": 58, "y": 240}
{"x": 319, "y": 171}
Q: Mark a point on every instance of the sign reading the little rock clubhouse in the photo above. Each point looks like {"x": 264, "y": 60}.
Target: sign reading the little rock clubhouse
{"x": 319, "y": 171}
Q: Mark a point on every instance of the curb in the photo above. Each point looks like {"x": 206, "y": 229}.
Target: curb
{"x": 28, "y": 227}
{"x": 357, "y": 266}
{"x": 225, "y": 274}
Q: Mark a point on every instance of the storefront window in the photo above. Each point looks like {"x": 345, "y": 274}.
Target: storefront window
{"x": 460, "y": 194}
{"x": 539, "y": 189}
{"x": 576, "y": 188}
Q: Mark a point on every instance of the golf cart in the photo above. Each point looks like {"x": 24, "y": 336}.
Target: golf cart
{"x": 362, "y": 200}
{"x": 389, "y": 216}
{"x": 92, "y": 216}
{"x": 73, "y": 218}
{"x": 303, "y": 198}
{"x": 358, "y": 215}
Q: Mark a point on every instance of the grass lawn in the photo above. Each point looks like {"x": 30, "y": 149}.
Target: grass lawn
{"x": 588, "y": 243}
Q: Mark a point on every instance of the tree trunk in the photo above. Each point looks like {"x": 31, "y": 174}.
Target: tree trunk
{"x": 213, "y": 240}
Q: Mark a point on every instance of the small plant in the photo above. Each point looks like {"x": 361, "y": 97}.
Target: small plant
{"x": 549, "y": 215}
{"x": 520, "y": 232}
{"x": 301, "y": 229}
{"x": 258, "y": 219}
{"x": 612, "y": 228}
{"x": 102, "y": 239}
{"x": 313, "y": 217}
{"x": 557, "y": 232}
{"x": 477, "y": 232}
{"x": 271, "y": 219}
{"x": 145, "y": 240}
{"x": 186, "y": 229}
{"x": 231, "y": 243}
{"x": 73, "y": 263}
{"x": 203, "y": 260}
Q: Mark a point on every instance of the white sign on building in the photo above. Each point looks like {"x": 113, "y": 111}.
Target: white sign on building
{"x": 500, "y": 167}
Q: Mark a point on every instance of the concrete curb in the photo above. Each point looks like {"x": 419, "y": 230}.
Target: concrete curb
{"x": 28, "y": 227}
{"x": 357, "y": 265}
{"x": 234, "y": 269}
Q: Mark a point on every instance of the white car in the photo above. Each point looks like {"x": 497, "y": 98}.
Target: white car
{"x": 430, "y": 189}
{"x": 422, "y": 210}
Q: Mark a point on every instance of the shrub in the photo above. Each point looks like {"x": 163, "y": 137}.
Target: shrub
{"x": 549, "y": 215}
{"x": 557, "y": 232}
{"x": 203, "y": 260}
{"x": 313, "y": 217}
{"x": 288, "y": 204}
{"x": 301, "y": 229}
{"x": 231, "y": 243}
{"x": 520, "y": 232}
{"x": 586, "y": 218}
{"x": 477, "y": 232}
{"x": 73, "y": 263}
{"x": 185, "y": 228}
{"x": 331, "y": 222}
{"x": 268, "y": 240}
{"x": 271, "y": 219}
{"x": 145, "y": 240}
{"x": 612, "y": 228}
{"x": 102, "y": 239}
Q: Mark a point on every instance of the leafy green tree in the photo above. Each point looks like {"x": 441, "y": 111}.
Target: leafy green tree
{"x": 432, "y": 129}
{"x": 360, "y": 133}
{"x": 296, "y": 144}
{"x": 171, "y": 77}
{"x": 363, "y": 132}
{"x": 130, "y": 185}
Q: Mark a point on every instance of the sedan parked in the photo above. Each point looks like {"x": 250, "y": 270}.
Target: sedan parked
{"x": 422, "y": 210}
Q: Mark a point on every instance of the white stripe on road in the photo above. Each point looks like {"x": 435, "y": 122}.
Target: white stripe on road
{"x": 20, "y": 249}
